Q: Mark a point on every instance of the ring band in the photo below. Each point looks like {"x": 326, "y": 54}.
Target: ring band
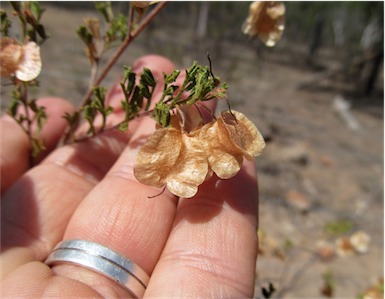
{"x": 103, "y": 260}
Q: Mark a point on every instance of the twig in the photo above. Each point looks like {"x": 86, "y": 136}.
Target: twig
{"x": 94, "y": 72}
{"x": 142, "y": 114}
{"x": 123, "y": 47}
{"x": 28, "y": 128}
{"x": 130, "y": 37}
{"x": 131, "y": 20}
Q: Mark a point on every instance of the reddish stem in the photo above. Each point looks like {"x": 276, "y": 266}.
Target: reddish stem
{"x": 123, "y": 47}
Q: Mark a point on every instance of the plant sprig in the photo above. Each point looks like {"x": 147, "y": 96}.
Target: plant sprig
{"x": 96, "y": 107}
{"x": 25, "y": 111}
{"x": 32, "y": 114}
{"x": 30, "y": 13}
{"x": 199, "y": 83}
{"x": 114, "y": 32}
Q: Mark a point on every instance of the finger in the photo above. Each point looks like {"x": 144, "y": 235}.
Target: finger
{"x": 119, "y": 214}
{"x": 36, "y": 280}
{"x": 37, "y": 208}
{"x": 14, "y": 144}
{"x": 212, "y": 247}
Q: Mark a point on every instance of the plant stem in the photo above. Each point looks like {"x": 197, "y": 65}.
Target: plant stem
{"x": 142, "y": 114}
{"x": 123, "y": 47}
{"x": 131, "y": 20}
{"x": 131, "y": 36}
{"x": 94, "y": 72}
{"x": 28, "y": 128}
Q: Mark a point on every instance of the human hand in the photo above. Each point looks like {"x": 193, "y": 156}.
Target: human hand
{"x": 204, "y": 246}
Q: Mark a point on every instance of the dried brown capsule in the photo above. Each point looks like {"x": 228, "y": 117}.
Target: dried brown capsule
{"x": 173, "y": 158}
{"x": 11, "y": 54}
{"x": 21, "y": 61}
{"x": 227, "y": 140}
{"x": 266, "y": 20}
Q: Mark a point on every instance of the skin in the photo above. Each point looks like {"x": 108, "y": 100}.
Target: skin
{"x": 200, "y": 247}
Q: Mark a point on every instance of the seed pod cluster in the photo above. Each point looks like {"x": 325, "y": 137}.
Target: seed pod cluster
{"x": 183, "y": 160}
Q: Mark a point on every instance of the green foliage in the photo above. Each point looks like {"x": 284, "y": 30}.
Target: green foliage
{"x": 135, "y": 95}
{"x": 37, "y": 145}
{"x": 85, "y": 34}
{"x": 117, "y": 29}
{"x": 199, "y": 84}
{"x": 33, "y": 115}
{"x": 30, "y": 13}
{"x": 40, "y": 117}
{"x": 162, "y": 114}
{"x": 338, "y": 227}
{"x": 72, "y": 120}
{"x": 147, "y": 86}
{"x": 5, "y": 23}
{"x": 202, "y": 84}
{"x": 96, "y": 41}
{"x": 105, "y": 9}
{"x": 36, "y": 10}
{"x": 168, "y": 79}
{"x": 95, "y": 107}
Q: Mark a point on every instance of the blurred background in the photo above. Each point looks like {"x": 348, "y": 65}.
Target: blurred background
{"x": 317, "y": 98}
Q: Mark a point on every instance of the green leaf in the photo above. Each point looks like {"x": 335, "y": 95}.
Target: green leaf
{"x": 32, "y": 104}
{"x": 109, "y": 110}
{"x": 71, "y": 119}
{"x": 89, "y": 113}
{"x": 36, "y": 9}
{"x": 41, "y": 118}
{"x": 169, "y": 91}
{"x": 162, "y": 114}
{"x": 5, "y": 23}
{"x": 13, "y": 107}
{"x": 147, "y": 78}
{"x": 145, "y": 91}
{"x": 41, "y": 31}
{"x": 191, "y": 73}
{"x": 84, "y": 34}
{"x": 168, "y": 79}
{"x": 37, "y": 146}
{"x": 136, "y": 102}
{"x": 128, "y": 82}
{"x": 127, "y": 110}
{"x": 99, "y": 96}
{"x": 118, "y": 29}
{"x": 123, "y": 127}
{"x": 105, "y": 9}
{"x": 124, "y": 105}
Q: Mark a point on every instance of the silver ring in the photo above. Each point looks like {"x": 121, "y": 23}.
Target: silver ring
{"x": 103, "y": 260}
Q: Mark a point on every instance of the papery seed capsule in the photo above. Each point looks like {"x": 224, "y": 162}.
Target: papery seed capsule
{"x": 265, "y": 20}
{"x": 30, "y": 66}
{"x": 227, "y": 140}
{"x": 22, "y": 61}
{"x": 11, "y": 54}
